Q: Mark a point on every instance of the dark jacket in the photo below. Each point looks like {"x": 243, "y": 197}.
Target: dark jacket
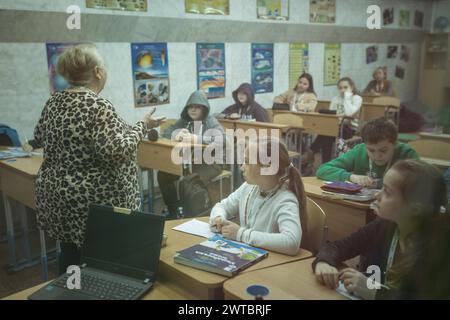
{"x": 387, "y": 88}
{"x": 252, "y": 108}
{"x": 373, "y": 242}
{"x": 208, "y": 122}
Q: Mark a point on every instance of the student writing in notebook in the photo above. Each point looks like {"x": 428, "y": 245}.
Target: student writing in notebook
{"x": 271, "y": 207}
{"x": 367, "y": 162}
{"x": 408, "y": 243}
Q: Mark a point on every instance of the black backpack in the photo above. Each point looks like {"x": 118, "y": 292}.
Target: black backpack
{"x": 194, "y": 196}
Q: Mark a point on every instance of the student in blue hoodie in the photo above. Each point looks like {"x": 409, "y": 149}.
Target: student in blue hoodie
{"x": 192, "y": 126}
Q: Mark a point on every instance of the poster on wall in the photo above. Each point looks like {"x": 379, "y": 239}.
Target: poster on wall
{"x": 332, "y": 66}
{"x": 404, "y": 18}
{"x": 405, "y": 53}
{"x": 418, "y": 18}
{"x": 211, "y": 69}
{"x": 388, "y": 16}
{"x": 392, "y": 52}
{"x": 150, "y": 69}
{"x": 220, "y": 7}
{"x": 399, "y": 72}
{"x": 298, "y": 61}
{"x": 273, "y": 9}
{"x": 126, "y": 5}
{"x": 371, "y": 54}
{"x": 322, "y": 11}
{"x": 262, "y": 67}
{"x": 54, "y": 50}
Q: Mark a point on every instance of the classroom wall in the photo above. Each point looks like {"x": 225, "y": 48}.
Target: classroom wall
{"x": 24, "y": 81}
{"x": 441, "y": 8}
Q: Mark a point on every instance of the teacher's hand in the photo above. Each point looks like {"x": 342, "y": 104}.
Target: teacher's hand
{"x": 153, "y": 122}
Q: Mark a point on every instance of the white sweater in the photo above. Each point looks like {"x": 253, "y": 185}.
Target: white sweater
{"x": 349, "y": 106}
{"x": 272, "y": 222}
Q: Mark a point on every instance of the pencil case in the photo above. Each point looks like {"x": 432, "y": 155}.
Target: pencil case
{"x": 342, "y": 187}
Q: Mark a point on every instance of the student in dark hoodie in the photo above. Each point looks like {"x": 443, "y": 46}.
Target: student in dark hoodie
{"x": 192, "y": 126}
{"x": 245, "y": 108}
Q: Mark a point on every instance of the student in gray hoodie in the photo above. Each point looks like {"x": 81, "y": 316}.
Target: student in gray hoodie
{"x": 192, "y": 126}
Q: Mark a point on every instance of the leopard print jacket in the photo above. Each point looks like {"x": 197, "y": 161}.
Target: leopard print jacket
{"x": 89, "y": 158}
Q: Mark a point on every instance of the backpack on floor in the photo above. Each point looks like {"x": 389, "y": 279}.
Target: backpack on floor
{"x": 194, "y": 196}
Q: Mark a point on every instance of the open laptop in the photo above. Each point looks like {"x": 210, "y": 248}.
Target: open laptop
{"x": 119, "y": 257}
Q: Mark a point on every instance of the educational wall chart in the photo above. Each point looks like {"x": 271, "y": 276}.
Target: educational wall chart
{"x": 298, "y": 62}
{"x": 322, "y": 11}
{"x": 262, "y": 67}
{"x": 54, "y": 50}
{"x": 126, "y": 5}
{"x": 221, "y": 7}
{"x": 273, "y": 9}
{"x": 211, "y": 69}
{"x": 332, "y": 67}
{"x": 150, "y": 69}
{"x": 404, "y": 18}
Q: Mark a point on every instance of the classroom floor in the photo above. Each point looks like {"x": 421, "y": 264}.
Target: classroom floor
{"x": 11, "y": 282}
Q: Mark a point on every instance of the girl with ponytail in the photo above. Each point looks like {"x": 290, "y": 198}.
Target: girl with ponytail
{"x": 270, "y": 207}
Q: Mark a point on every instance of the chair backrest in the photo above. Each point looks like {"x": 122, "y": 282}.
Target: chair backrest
{"x": 167, "y": 124}
{"x": 270, "y": 114}
{"x": 316, "y": 229}
{"x": 431, "y": 148}
{"x": 387, "y": 101}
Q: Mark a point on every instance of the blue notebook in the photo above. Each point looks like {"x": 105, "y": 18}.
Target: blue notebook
{"x": 13, "y": 152}
{"x": 221, "y": 256}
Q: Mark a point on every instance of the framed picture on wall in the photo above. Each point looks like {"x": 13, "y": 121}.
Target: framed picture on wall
{"x": 262, "y": 67}
{"x": 399, "y": 72}
{"x": 404, "y": 18}
{"x": 371, "y": 54}
{"x": 418, "y": 19}
{"x": 54, "y": 50}
{"x": 219, "y": 7}
{"x": 392, "y": 52}
{"x": 273, "y": 9}
{"x": 405, "y": 53}
{"x": 388, "y": 16}
{"x": 211, "y": 69}
{"x": 126, "y": 5}
{"x": 322, "y": 11}
{"x": 150, "y": 70}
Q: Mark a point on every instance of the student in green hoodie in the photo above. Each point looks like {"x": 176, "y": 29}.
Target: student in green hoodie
{"x": 367, "y": 162}
{"x": 198, "y": 126}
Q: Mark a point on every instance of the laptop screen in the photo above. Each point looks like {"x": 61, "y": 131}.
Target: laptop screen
{"x": 127, "y": 244}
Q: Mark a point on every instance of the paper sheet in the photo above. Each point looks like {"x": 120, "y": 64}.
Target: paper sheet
{"x": 195, "y": 227}
{"x": 341, "y": 290}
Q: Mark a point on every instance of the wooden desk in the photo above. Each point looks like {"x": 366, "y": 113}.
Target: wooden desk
{"x": 202, "y": 284}
{"x": 162, "y": 290}
{"x": 290, "y": 281}
{"x": 435, "y": 136}
{"x": 371, "y": 111}
{"x": 343, "y": 216}
{"x": 310, "y": 122}
{"x": 270, "y": 129}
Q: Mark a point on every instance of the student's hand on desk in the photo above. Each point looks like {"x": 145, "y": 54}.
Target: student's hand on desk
{"x": 216, "y": 225}
{"x": 327, "y": 275}
{"x": 230, "y": 229}
{"x": 356, "y": 283}
{"x": 27, "y": 147}
{"x": 234, "y": 116}
{"x": 364, "y": 181}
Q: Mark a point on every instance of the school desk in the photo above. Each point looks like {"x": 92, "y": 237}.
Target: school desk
{"x": 433, "y": 149}
{"x": 17, "y": 177}
{"x": 290, "y": 281}
{"x": 162, "y": 290}
{"x": 203, "y": 284}
{"x": 343, "y": 216}
{"x": 435, "y": 136}
{"x": 310, "y": 122}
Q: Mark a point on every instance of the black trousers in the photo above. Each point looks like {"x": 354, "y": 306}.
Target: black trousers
{"x": 324, "y": 144}
{"x": 70, "y": 255}
{"x": 166, "y": 182}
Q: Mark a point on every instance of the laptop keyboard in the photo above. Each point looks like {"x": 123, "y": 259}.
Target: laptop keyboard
{"x": 101, "y": 288}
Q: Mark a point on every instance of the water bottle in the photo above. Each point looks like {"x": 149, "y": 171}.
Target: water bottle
{"x": 180, "y": 214}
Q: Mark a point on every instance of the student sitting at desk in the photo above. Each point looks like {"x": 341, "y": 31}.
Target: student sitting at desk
{"x": 302, "y": 97}
{"x": 271, "y": 207}
{"x": 346, "y": 103}
{"x": 245, "y": 107}
{"x": 367, "y": 162}
{"x": 379, "y": 86}
{"x": 408, "y": 242}
{"x": 195, "y": 120}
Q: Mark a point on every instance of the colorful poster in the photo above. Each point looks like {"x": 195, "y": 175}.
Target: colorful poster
{"x": 322, "y": 11}
{"x": 150, "y": 68}
{"x": 332, "y": 69}
{"x": 126, "y": 5}
{"x": 371, "y": 54}
{"x": 298, "y": 62}
{"x": 273, "y": 9}
{"x": 211, "y": 69}
{"x": 404, "y": 18}
{"x": 221, "y": 7}
{"x": 388, "y": 16}
{"x": 392, "y": 52}
{"x": 418, "y": 18}
{"x": 262, "y": 67}
{"x": 54, "y": 50}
